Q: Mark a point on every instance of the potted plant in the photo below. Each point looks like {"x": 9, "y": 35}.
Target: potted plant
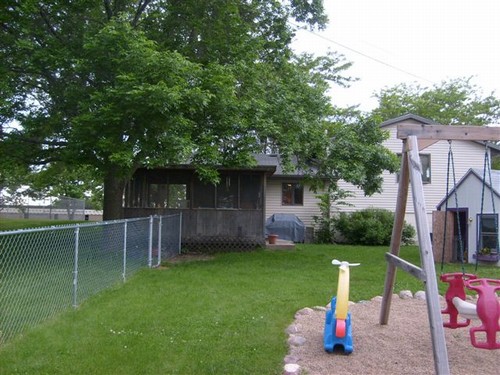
{"x": 486, "y": 254}
{"x": 271, "y": 238}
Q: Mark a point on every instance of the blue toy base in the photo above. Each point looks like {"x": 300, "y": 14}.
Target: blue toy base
{"x": 330, "y": 340}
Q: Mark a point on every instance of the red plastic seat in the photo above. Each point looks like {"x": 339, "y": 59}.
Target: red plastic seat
{"x": 488, "y": 310}
{"x": 456, "y": 289}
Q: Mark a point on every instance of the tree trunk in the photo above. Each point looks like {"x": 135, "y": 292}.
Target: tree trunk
{"x": 113, "y": 196}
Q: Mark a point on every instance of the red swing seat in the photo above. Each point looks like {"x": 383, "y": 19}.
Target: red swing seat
{"x": 456, "y": 289}
{"x": 488, "y": 310}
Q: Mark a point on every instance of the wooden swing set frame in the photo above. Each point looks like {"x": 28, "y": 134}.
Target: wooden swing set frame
{"x": 415, "y": 138}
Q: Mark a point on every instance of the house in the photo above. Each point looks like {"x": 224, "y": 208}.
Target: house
{"x": 434, "y": 159}
{"x": 473, "y": 217}
{"x": 231, "y": 214}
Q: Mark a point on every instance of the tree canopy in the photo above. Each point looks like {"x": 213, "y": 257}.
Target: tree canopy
{"x": 99, "y": 88}
{"x": 454, "y": 102}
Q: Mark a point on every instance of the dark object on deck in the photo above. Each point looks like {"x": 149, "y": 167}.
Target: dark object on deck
{"x": 286, "y": 226}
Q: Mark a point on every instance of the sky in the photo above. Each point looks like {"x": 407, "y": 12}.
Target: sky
{"x": 407, "y": 41}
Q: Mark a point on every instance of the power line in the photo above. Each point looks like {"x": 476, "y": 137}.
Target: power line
{"x": 366, "y": 55}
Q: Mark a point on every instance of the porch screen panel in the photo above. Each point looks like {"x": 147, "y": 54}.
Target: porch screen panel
{"x": 250, "y": 191}
{"x": 179, "y": 189}
{"x": 177, "y": 196}
{"x": 158, "y": 195}
{"x": 227, "y": 191}
{"x": 203, "y": 195}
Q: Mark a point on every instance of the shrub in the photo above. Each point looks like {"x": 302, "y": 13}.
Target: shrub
{"x": 372, "y": 226}
{"x": 325, "y": 223}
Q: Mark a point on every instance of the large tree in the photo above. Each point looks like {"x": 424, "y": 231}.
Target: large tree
{"x": 106, "y": 86}
{"x": 453, "y": 102}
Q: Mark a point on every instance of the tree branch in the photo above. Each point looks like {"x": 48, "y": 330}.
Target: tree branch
{"x": 46, "y": 20}
{"x": 141, "y": 7}
{"x": 107, "y": 7}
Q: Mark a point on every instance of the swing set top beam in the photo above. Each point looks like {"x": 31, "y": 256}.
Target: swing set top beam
{"x": 449, "y": 132}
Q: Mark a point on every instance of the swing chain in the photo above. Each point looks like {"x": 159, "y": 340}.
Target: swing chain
{"x": 451, "y": 165}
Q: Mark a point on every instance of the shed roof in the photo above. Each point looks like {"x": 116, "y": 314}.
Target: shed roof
{"x": 477, "y": 173}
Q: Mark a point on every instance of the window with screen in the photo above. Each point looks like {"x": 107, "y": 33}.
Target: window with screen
{"x": 488, "y": 231}
{"x": 292, "y": 194}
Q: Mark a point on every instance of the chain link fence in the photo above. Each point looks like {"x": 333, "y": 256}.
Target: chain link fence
{"x": 44, "y": 271}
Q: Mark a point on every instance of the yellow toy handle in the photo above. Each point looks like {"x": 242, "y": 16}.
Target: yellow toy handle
{"x": 342, "y": 293}
{"x": 342, "y": 288}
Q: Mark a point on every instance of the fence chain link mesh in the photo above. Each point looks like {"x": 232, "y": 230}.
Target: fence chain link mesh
{"x": 44, "y": 271}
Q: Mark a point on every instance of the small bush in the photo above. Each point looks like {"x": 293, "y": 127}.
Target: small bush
{"x": 372, "y": 226}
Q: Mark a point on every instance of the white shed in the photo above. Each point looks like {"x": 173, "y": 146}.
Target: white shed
{"x": 476, "y": 205}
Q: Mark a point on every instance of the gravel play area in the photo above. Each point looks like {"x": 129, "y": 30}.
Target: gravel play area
{"x": 403, "y": 346}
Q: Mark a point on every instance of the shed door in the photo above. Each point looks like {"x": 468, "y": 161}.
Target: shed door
{"x": 450, "y": 241}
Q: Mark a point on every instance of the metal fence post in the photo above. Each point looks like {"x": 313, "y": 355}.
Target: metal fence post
{"x": 160, "y": 222}
{"x": 150, "y": 242}
{"x": 75, "y": 269}
{"x": 124, "y": 251}
{"x": 180, "y": 231}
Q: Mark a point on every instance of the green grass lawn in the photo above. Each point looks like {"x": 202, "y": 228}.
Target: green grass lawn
{"x": 223, "y": 316}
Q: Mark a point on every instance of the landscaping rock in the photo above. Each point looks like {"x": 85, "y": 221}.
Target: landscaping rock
{"x": 291, "y": 359}
{"x": 319, "y": 308}
{"x": 296, "y": 340}
{"x": 420, "y": 295}
{"x": 304, "y": 311}
{"x": 405, "y": 294}
{"x": 293, "y": 329}
{"x": 292, "y": 369}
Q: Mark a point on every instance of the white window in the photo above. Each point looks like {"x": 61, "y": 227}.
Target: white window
{"x": 292, "y": 194}
{"x": 488, "y": 231}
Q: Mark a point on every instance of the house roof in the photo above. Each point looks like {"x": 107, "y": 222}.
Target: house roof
{"x": 267, "y": 160}
{"x": 495, "y": 148}
{"x": 476, "y": 173}
{"x": 406, "y": 117}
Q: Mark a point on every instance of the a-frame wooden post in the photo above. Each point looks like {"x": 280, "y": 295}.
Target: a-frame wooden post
{"x": 411, "y": 167}
{"x": 397, "y": 231}
{"x": 411, "y": 170}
